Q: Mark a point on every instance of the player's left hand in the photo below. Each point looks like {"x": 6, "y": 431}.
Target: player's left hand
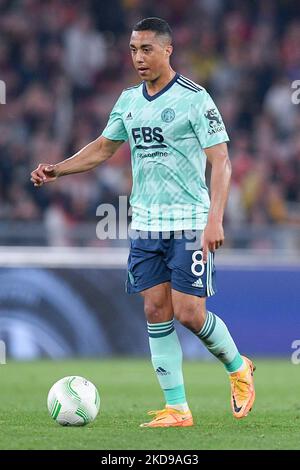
{"x": 212, "y": 238}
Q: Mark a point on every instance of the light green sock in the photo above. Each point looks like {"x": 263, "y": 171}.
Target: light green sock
{"x": 217, "y": 339}
{"x": 166, "y": 355}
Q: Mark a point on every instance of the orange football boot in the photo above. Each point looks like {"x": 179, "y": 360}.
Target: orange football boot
{"x": 242, "y": 390}
{"x": 169, "y": 417}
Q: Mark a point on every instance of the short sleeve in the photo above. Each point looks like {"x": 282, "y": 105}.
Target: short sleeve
{"x": 206, "y": 121}
{"x": 115, "y": 129}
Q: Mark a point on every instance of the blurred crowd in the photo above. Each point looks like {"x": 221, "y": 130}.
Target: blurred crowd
{"x": 65, "y": 63}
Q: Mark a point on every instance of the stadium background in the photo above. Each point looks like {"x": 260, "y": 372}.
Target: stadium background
{"x": 64, "y": 64}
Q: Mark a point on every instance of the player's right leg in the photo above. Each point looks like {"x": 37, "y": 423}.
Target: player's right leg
{"x": 166, "y": 355}
{"x": 149, "y": 275}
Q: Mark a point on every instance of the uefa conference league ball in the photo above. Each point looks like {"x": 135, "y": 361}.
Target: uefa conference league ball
{"x": 73, "y": 401}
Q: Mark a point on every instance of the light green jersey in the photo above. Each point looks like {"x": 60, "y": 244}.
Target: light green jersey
{"x": 167, "y": 133}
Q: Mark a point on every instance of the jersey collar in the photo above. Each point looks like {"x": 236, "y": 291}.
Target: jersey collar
{"x": 161, "y": 92}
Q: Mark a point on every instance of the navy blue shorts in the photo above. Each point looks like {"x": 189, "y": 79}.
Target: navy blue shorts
{"x": 177, "y": 259}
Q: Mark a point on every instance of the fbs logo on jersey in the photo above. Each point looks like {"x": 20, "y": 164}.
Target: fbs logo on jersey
{"x": 129, "y": 116}
{"x": 197, "y": 283}
{"x": 215, "y": 121}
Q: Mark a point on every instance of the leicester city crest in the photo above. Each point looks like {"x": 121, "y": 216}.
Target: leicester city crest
{"x": 168, "y": 115}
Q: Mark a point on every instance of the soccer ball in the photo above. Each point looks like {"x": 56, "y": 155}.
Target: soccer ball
{"x": 73, "y": 401}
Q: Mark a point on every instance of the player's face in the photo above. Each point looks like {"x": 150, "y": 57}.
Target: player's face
{"x": 150, "y": 54}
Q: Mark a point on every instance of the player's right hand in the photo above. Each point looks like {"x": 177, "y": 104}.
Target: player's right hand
{"x": 44, "y": 173}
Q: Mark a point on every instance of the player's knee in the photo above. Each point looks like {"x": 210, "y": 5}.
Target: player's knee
{"x": 191, "y": 317}
{"x": 156, "y": 312}
{"x": 186, "y": 317}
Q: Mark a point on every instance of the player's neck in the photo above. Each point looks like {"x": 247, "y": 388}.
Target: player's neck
{"x": 159, "y": 83}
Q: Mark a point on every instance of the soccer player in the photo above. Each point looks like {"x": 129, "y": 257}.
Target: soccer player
{"x": 173, "y": 127}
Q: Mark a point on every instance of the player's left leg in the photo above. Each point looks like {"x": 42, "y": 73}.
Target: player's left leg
{"x": 192, "y": 281}
{"x": 212, "y": 331}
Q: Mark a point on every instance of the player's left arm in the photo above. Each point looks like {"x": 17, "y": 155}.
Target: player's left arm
{"x": 213, "y": 235}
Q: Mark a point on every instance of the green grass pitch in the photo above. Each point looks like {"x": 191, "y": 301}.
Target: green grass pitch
{"x": 128, "y": 388}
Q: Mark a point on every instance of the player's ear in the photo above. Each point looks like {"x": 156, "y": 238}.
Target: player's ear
{"x": 169, "y": 50}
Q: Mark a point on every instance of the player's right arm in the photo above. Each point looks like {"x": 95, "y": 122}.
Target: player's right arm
{"x": 90, "y": 156}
